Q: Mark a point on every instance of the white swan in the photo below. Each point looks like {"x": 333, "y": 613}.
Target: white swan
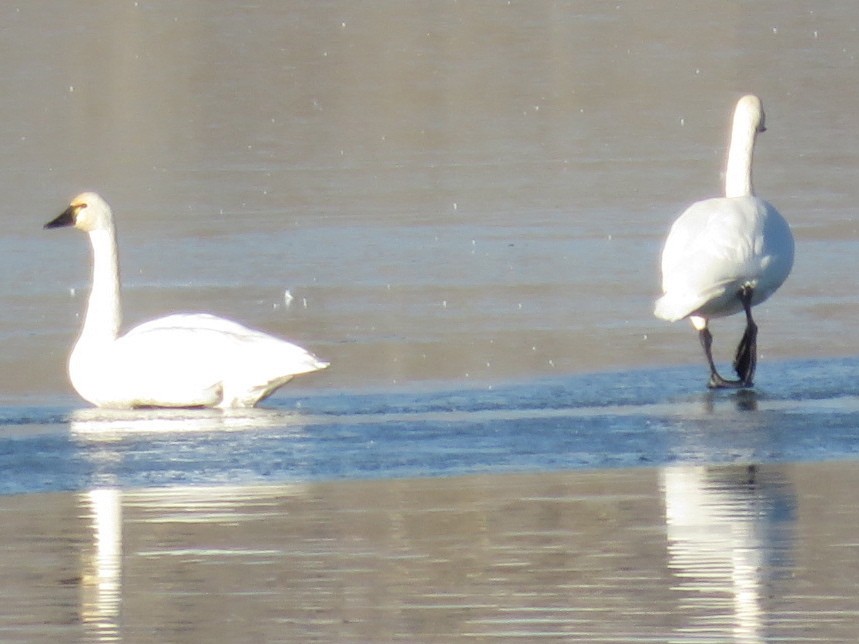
{"x": 727, "y": 254}
{"x": 183, "y": 360}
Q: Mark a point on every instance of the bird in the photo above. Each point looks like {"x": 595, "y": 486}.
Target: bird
{"x": 181, "y": 360}
{"x": 725, "y": 255}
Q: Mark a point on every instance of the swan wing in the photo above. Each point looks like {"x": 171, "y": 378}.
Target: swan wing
{"x": 209, "y": 338}
{"x": 193, "y": 321}
{"x": 163, "y": 367}
{"x": 203, "y": 360}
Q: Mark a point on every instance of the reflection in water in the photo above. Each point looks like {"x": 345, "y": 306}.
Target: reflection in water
{"x": 157, "y": 447}
{"x": 106, "y": 434}
{"x": 724, "y": 526}
{"x": 101, "y": 581}
{"x": 742, "y": 399}
{"x": 108, "y": 424}
{"x": 186, "y": 510}
{"x": 750, "y": 556}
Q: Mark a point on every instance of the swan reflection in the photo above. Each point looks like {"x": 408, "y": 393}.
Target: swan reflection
{"x": 101, "y": 579}
{"x": 110, "y": 444}
{"x": 742, "y": 400}
{"x": 727, "y": 528}
{"x": 158, "y": 447}
{"x": 189, "y": 511}
{"x": 113, "y": 423}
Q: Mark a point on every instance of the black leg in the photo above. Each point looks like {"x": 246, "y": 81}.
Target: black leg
{"x": 746, "y": 358}
{"x": 716, "y": 381}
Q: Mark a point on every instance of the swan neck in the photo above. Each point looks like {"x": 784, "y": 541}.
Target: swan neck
{"x": 104, "y": 313}
{"x": 738, "y": 174}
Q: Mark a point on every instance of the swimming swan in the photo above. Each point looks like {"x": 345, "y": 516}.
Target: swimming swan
{"x": 725, "y": 255}
{"x": 183, "y": 360}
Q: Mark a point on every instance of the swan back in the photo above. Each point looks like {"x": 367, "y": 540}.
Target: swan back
{"x": 716, "y": 247}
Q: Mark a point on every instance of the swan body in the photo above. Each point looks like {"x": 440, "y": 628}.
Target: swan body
{"x": 727, "y": 254}
{"x": 182, "y": 360}
{"x": 717, "y": 247}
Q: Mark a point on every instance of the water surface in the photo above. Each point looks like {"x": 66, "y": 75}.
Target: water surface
{"x": 681, "y": 554}
{"x": 466, "y": 202}
{"x": 467, "y": 191}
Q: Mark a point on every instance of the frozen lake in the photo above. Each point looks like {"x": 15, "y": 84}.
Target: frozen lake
{"x": 603, "y": 420}
{"x": 465, "y": 203}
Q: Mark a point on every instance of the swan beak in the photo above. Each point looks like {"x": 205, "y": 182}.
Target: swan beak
{"x": 65, "y": 219}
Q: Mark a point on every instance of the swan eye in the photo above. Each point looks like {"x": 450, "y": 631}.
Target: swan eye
{"x": 76, "y": 210}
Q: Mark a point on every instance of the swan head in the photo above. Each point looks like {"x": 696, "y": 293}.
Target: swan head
{"x": 86, "y": 212}
{"x": 749, "y": 114}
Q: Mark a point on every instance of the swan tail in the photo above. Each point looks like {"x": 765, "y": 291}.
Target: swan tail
{"x": 240, "y": 392}
{"x": 310, "y": 365}
{"x": 294, "y": 360}
{"x": 670, "y": 309}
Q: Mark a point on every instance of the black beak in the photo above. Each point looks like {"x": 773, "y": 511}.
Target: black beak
{"x": 65, "y": 219}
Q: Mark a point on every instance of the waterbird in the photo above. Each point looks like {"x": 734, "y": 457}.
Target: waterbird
{"x": 181, "y": 360}
{"x": 727, "y": 254}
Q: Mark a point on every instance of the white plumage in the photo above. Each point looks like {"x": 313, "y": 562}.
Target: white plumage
{"x": 714, "y": 249}
{"x": 727, "y": 254}
{"x": 182, "y": 360}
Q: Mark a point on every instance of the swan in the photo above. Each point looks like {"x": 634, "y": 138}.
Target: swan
{"x": 727, "y": 254}
{"x": 181, "y": 360}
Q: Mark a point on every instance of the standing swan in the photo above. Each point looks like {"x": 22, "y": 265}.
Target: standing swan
{"x": 726, "y": 255}
{"x": 183, "y": 360}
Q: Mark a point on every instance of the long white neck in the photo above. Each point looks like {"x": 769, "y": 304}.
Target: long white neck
{"x": 104, "y": 311}
{"x": 738, "y": 174}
